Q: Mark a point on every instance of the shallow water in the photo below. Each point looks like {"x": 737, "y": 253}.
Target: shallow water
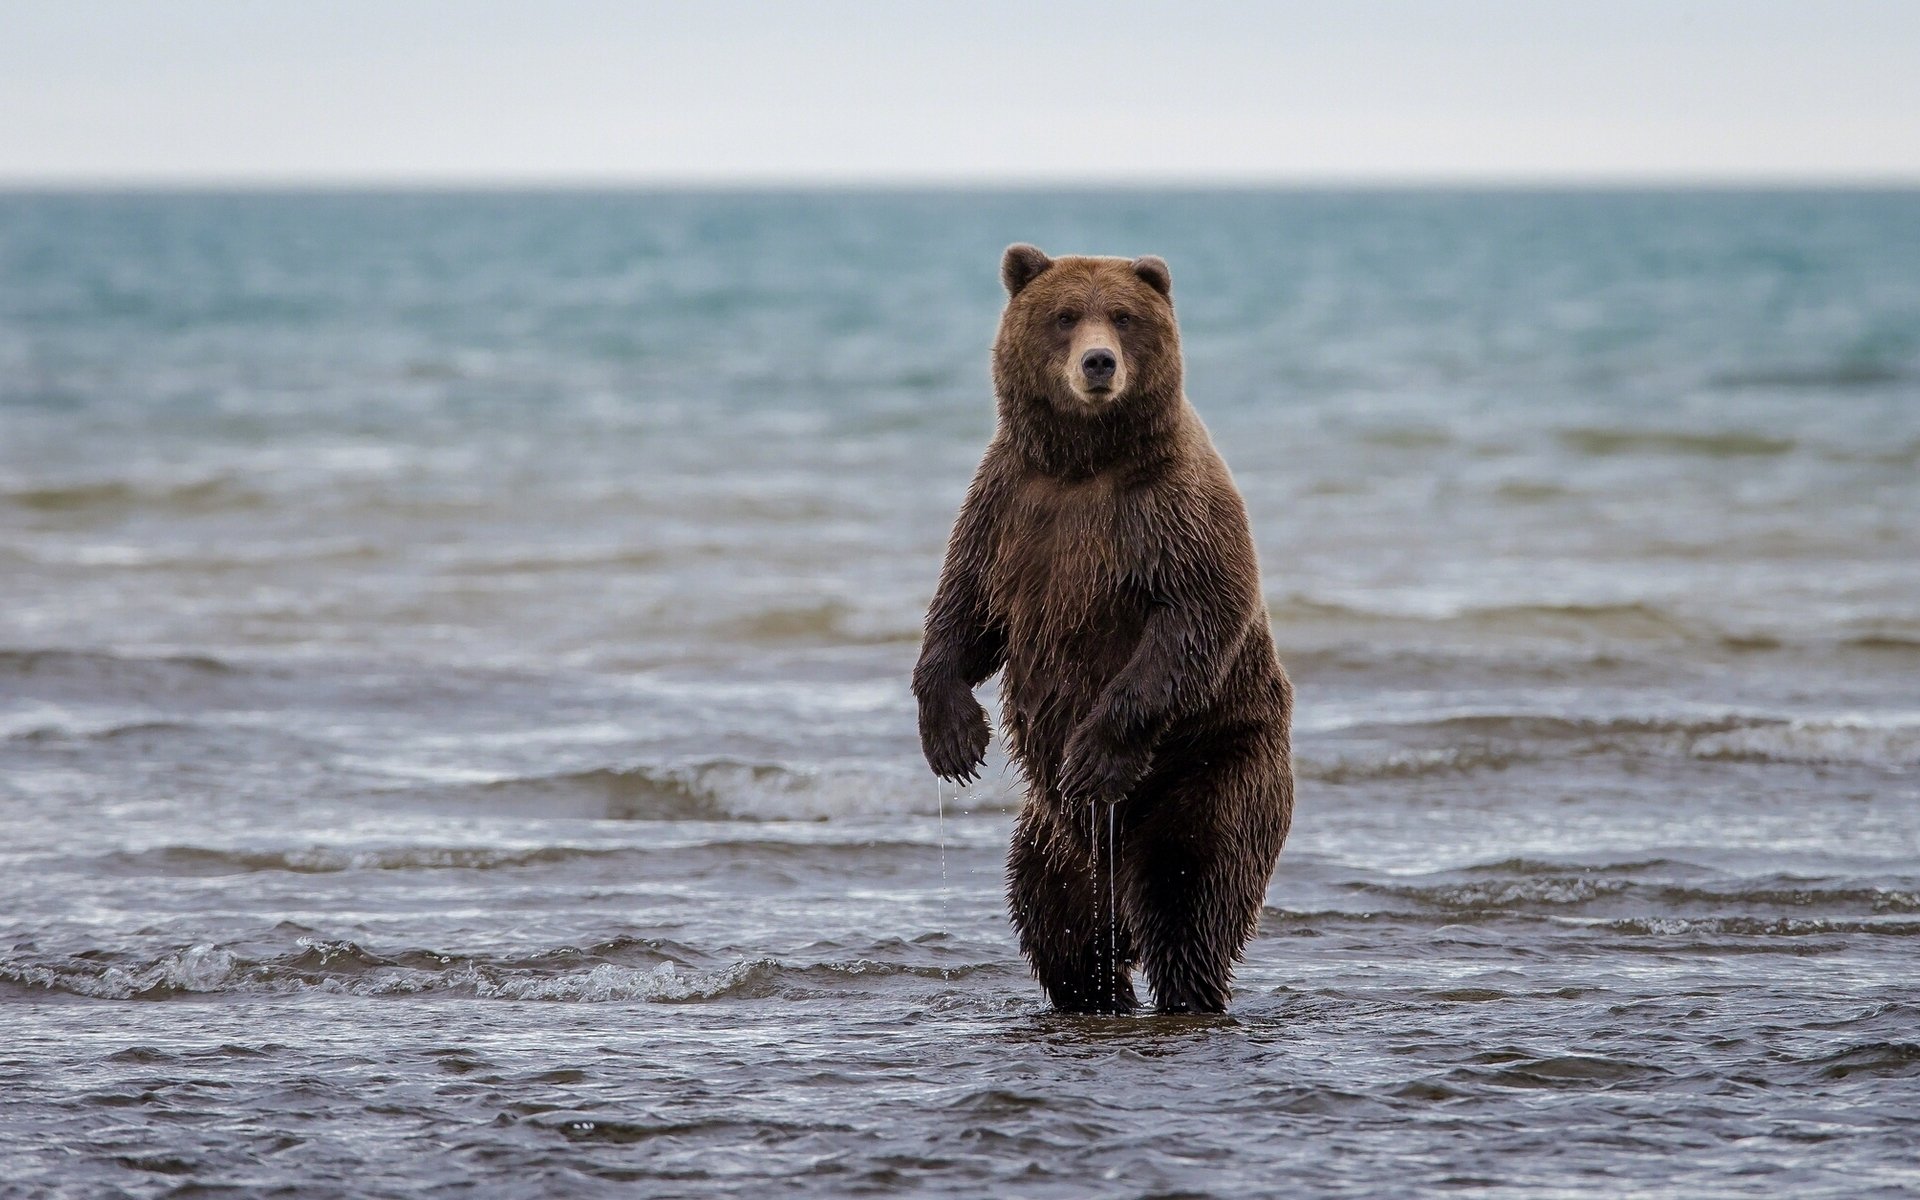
{"x": 454, "y": 733}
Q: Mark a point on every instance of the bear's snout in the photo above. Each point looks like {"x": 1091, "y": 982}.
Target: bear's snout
{"x": 1096, "y": 370}
{"x": 1097, "y": 367}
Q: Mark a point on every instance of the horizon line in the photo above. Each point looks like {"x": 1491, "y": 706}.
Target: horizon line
{"x": 1620, "y": 182}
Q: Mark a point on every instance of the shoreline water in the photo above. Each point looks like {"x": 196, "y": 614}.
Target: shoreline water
{"x": 454, "y": 727}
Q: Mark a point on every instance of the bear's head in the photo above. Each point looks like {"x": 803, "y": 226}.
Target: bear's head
{"x": 1089, "y": 337}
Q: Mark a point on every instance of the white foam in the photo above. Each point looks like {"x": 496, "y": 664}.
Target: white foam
{"x": 205, "y": 968}
{"x": 665, "y": 983}
{"x": 1841, "y": 741}
{"x": 842, "y": 791}
{"x": 202, "y": 967}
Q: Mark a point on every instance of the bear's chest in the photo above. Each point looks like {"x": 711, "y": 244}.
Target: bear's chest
{"x": 1069, "y": 560}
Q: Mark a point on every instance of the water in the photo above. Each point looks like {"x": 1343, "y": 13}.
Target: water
{"x": 454, "y": 730}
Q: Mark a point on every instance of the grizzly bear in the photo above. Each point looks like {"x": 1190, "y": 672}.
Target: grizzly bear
{"x": 1102, "y": 558}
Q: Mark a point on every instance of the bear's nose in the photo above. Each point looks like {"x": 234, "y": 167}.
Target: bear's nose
{"x": 1098, "y": 366}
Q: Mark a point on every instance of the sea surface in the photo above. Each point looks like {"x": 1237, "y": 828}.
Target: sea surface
{"x": 455, "y": 737}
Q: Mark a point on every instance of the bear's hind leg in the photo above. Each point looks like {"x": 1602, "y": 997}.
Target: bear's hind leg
{"x": 1081, "y": 957}
{"x": 1191, "y": 933}
{"x": 1200, "y": 876}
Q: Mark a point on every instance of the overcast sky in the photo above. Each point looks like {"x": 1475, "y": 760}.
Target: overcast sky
{"x": 592, "y": 91}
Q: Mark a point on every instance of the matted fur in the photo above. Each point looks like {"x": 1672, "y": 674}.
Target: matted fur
{"x": 1102, "y": 558}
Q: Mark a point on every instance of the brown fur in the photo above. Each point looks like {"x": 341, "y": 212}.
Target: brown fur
{"x": 1103, "y": 558}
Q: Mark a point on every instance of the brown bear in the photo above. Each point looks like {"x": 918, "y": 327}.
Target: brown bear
{"x": 1103, "y": 558}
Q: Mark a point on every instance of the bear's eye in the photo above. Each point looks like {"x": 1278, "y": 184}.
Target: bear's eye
{"x": 1122, "y": 320}
{"x": 1066, "y": 320}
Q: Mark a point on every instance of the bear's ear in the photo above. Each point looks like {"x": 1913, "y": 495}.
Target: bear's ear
{"x": 1020, "y": 265}
{"x": 1153, "y": 269}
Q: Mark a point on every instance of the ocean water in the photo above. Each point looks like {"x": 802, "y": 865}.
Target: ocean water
{"x": 454, "y": 732}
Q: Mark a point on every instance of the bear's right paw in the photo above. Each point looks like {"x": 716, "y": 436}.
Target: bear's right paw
{"x": 1098, "y": 768}
{"x": 954, "y": 739}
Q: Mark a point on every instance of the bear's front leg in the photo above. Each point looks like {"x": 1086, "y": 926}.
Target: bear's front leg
{"x": 964, "y": 642}
{"x": 1079, "y": 950}
{"x": 1100, "y": 766}
{"x": 953, "y": 732}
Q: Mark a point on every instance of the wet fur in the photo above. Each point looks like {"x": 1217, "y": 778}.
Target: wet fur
{"x": 1102, "y": 558}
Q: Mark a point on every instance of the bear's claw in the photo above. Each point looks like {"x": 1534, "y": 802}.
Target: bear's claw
{"x": 1097, "y": 768}
{"x": 955, "y": 743}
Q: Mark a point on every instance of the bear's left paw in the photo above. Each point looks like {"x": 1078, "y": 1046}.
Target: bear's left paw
{"x": 1099, "y": 768}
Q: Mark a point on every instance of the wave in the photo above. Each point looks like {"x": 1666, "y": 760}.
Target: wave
{"x": 1566, "y": 1072}
{"x": 98, "y": 734}
{"x": 1496, "y": 741}
{"x": 700, "y": 790}
{"x": 1407, "y": 764}
{"x": 594, "y": 1126}
{"x": 652, "y": 972}
{"x": 1549, "y": 727}
{"x": 1559, "y": 892}
{"x": 1747, "y": 927}
{"x": 1653, "y": 897}
{"x": 209, "y": 862}
{"x": 1880, "y": 1059}
{"x": 828, "y": 621}
{"x": 1630, "y": 621}
{"x": 1312, "y": 922}
{"x": 1627, "y": 620}
{"x": 1729, "y": 444}
{"x": 1547, "y": 866}
{"x": 1586, "y": 638}
{"x": 226, "y": 558}
{"x": 1501, "y": 895}
{"x": 626, "y": 794}
{"x": 718, "y": 790}
{"x": 108, "y": 495}
{"x": 321, "y": 860}
{"x": 533, "y": 562}
{"x": 1824, "y": 376}
{"x": 1887, "y": 456}
{"x": 168, "y": 682}
{"x": 1532, "y": 491}
{"x": 97, "y": 664}
{"x": 1836, "y": 742}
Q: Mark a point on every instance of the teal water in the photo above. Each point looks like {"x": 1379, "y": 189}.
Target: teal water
{"x": 454, "y": 730}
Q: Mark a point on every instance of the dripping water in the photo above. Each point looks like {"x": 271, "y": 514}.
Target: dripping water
{"x": 940, "y": 806}
{"x": 1113, "y": 911}
{"x": 1110, "y": 917}
{"x": 1093, "y": 867}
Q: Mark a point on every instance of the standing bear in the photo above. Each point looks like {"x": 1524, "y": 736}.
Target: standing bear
{"x": 1103, "y": 559}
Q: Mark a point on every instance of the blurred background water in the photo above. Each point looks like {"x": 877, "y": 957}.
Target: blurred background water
{"x": 454, "y": 728}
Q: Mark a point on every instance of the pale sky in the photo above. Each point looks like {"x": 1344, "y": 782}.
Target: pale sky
{"x": 836, "y": 91}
